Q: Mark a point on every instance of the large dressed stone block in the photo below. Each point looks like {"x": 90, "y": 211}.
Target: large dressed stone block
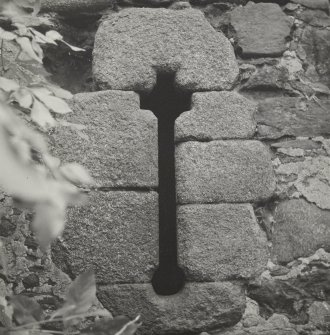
{"x": 217, "y": 115}
{"x": 116, "y": 234}
{"x": 223, "y": 171}
{"x": 133, "y": 45}
{"x": 262, "y": 29}
{"x": 198, "y": 307}
{"x": 119, "y": 145}
{"x": 220, "y": 242}
{"x": 75, "y": 6}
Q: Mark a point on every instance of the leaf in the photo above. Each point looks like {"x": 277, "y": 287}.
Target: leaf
{"x": 37, "y": 49}
{"x": 48, "y": 222}
{"x": 7, "y": 35}
{"x": 8, "y": 85}
{"x": 76, "y": 174}
{"x": 54, "y": 35}
{"x": 72, "y": 47}
{"x": 3, "y": 259}
{"x": 26, "y": 46}
{"x": 41, "y": 38}
{"x": 80, "y": 297}
{"x": 57, "y": 105}
{"x": 26, "y": 310}
{"x": 60, "y": 92}
{"x": 41, "y": 115}
{"x": 23, "y": 97}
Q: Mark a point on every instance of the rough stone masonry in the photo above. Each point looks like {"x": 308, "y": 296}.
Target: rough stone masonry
{"x": 216, "y": 180}
{"x": 252, "y": 165}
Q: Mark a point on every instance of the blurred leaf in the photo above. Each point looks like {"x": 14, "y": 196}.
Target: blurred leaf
{"x": 23, "y": 97}
{"x": 8, "y": 85}
{"x": 41, "y": 38}
{"x": 41, "y": 115}
{"x": 80, "y": 297}
{"x": 26, "y": 310}
{"x": 7, "y": 35}
{"x": 26, "y": 46}
{"x": 72, "y": 47}
{"x": 57, "y": 105}
{"x": 37, "y": 49}
{"x": 4, "y": 331}
{"x": 54, "y": 35}
{"x": 76, "y": 174}
{"x": 60, "y": 92}
{"x": 48, "y": 222}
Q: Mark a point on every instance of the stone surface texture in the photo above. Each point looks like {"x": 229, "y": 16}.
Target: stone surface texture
{"x": 116, "y": 234}
{"x": 300, "y": 229}
{"x": 223, "y": 171}
{"x": 132, "y": 45}
{"x": 217, "y": 115}
{"x": 119, "y": 143}
{"x": 220, "y": 242}
{"x": 315, "y": 4}
{"x": 74, "y": 6}
{"x": 261, "y": 28}
{"x": 198, "y": 307}
{"x": 290, "y": 116}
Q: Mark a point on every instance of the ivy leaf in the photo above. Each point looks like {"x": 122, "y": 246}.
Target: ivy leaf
{"x": 54, "y": 35}
{"x": 26, "y": 47}
{"x": 76, "y": 174}
{"x": 41, "y": 115}
{"x": 8, "y": 85}
{"x": 80, "y": 297}
{"x": 26, "y": 310}
{"x": 72, "y": 47}
{"x": 41, "y": 38}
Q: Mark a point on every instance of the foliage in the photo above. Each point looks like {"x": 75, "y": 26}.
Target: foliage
{"x": 30, "y": 174}
{"x": 26, "y": 316}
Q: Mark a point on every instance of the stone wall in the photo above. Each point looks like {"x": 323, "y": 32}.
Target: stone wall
{"x": 252, "y": 165}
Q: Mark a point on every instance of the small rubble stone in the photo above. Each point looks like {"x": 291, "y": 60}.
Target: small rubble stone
{"x": 132, "y": 45}
{"x": 261, "y": 28}
{"x": 300, "y": 229}
{"x": 315, "y": 44}
{"x": 220, "y": 241}
{"x": 32, "y": 280}
{"x": 319, "y": 313}
{"x": 198, "y": 307}
{"x": 217, "y": 115}
{"x": 289, "y": 116}
{"x": 223, "y": 171}
{"x": 119, "y": 143}
{"x": 116, "y": 234}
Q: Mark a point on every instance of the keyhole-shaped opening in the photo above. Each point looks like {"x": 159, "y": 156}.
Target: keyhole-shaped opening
{"x": 167, "y": 103}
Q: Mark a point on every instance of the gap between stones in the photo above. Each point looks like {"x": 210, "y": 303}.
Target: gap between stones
{"x": 167, "y": 103}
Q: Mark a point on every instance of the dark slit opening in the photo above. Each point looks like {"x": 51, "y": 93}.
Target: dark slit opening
{"x": 167, "y": 103}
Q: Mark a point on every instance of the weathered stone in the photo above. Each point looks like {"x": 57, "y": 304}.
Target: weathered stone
{"x": 268, "y": 78}
{"x": 317, "y": 18}
{"x": 116, "y": 234}
{"x": 315, "y": 4}
{"x": 319, "y": 314}
{"x": 315, "y": 44}
{"x": 223, "y": 171}
{"x": 74, "y": 6}
{"x": 119, "y": 144}
{"x": 289, "y": 116}
{"x": 300, "y": 229}
{"x": 198, "y": 307}
{"x": 261, "y": 28}
{"x": 220, "y": 241}
{"x": 134, "y": 44}
{"x": 217, "y": 115}
{"x": 310, "y": 178}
